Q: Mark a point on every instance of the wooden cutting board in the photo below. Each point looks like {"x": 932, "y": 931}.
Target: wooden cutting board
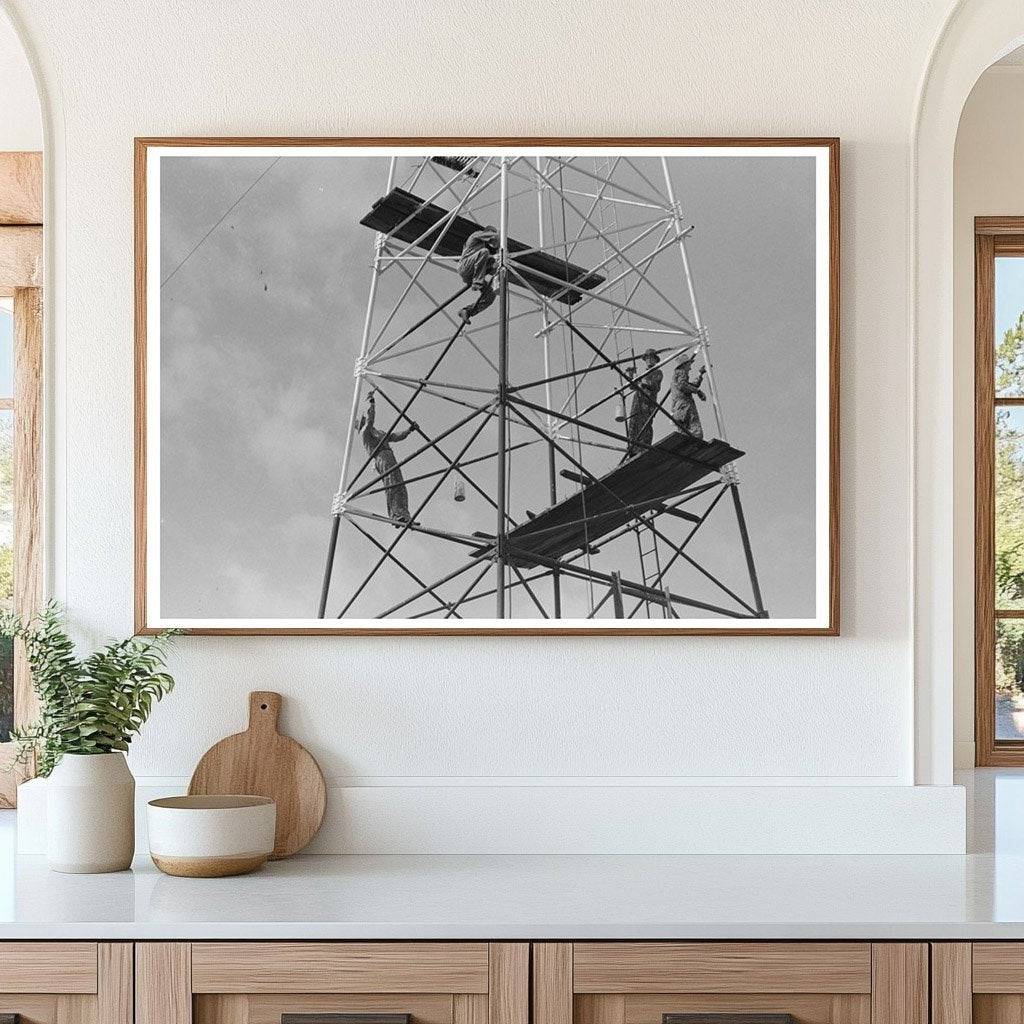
{"x": 262, "y": 762}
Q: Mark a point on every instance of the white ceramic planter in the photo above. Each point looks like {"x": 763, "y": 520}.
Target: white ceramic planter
{"x": 90, "y": 814}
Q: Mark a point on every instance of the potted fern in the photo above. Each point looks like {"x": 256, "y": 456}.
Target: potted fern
{"x": 89, "y": 710}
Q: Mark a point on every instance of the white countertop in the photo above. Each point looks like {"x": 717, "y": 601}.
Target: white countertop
{"x": 532, "y": 897}
{"x": 978, "y": 896}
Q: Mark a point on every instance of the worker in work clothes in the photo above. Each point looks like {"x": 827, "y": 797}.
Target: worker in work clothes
{"x": 684, "y": 391}
{"x": 378, "y": 445}
{"x": 640, "y": 419}
{"x": 476, "y": 268}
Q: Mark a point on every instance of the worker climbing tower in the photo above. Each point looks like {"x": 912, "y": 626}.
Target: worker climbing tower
{"x": 539, "y": 458}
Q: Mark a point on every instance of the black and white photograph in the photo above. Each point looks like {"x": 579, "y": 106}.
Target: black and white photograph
{"x": 444, "y": 387}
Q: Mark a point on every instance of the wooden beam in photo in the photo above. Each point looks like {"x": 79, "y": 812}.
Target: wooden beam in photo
{"x": 21, "y": 258}
{"x": 21, "y": 188}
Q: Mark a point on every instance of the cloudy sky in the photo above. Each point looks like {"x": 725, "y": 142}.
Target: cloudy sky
{"x": 266, "y": 273}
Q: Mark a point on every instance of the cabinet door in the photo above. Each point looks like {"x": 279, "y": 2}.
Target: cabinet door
{"x": 66, "y": 982}
{"x": 747, "y": 982}
{"x": 315, "y": 982}
{"x": 980, "y": 982}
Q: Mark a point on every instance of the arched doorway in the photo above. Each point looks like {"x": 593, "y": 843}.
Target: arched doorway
{"x": 976, "y": 33}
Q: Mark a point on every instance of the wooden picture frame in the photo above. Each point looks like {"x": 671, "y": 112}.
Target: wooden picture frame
{"x": 825, "y": 620}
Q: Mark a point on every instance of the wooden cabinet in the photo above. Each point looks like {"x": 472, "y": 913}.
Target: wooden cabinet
{"x": 494, "y": 983}
{"x": 66, "y": 982}
{"x": 815, "y": 982}
{"x": 979, "y": 982}
{"x": 259, "y": 982}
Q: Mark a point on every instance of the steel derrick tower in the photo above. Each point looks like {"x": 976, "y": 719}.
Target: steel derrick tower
{"x": 509, "y": 431}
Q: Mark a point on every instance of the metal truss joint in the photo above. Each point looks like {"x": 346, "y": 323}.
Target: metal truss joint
{"x": 338, "y": 503}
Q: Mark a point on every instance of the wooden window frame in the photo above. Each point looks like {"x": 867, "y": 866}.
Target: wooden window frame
{"x": 993, "y": 236}
{"x": 21, "y": 269}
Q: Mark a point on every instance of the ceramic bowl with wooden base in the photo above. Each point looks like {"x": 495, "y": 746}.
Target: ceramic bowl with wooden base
{"x": 211, "y": 836}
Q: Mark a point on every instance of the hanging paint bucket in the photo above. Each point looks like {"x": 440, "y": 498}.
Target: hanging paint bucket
{"x": 620, "y": 410}
{"x": 460, "y": 490}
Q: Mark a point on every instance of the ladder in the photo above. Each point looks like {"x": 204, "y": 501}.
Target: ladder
{"x": 650, "y": 560}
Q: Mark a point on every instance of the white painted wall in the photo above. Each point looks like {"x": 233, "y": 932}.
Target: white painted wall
{"x": 988, "y": 181}
{"x": 395, "y": 713}
{"x": 21, "y": 125}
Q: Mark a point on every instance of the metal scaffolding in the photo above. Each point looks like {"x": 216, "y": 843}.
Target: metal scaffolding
{"x": 521, "y": 409}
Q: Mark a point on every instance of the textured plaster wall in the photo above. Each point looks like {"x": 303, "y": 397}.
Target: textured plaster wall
{"x": 812, "y": 711}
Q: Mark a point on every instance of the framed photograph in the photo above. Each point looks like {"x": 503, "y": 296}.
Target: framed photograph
{"x": 487, "y": 386}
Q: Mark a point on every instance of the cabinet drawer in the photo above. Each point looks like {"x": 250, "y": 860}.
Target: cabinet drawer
{"x": 66, "y": 982}
{"x": 261, "y": 982}
{"x": 48, "y": 967}
{"x": 981, "y": 982}
{"x": 749, "y": 982}
{"x": 998, "y": 967}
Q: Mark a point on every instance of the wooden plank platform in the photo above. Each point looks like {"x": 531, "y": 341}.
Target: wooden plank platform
{"x": 674, "y": 463}
{"x": 390, "y": 211}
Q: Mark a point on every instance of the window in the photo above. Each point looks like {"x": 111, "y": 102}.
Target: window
{"x": 999, "y": 490}
{"x": 6, "y": 510}
{"x": 20, "y": 503}
{"x": 21, "y": 365}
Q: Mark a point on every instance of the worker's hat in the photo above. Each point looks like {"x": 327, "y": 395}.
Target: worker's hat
{"x": 652, "y": 354}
